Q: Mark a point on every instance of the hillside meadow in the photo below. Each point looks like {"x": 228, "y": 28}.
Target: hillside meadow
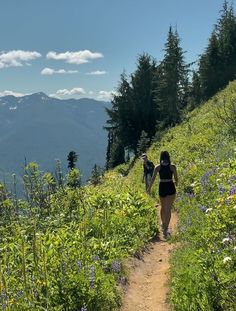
{"x": 64, "y": 248}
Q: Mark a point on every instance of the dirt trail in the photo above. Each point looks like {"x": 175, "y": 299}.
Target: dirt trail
{"x": 148, "y": 289}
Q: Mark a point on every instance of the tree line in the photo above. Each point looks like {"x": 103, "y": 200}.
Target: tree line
{"x": 157, "y": 96}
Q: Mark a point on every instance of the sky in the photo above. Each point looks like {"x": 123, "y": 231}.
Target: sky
{"x": 79, "y": 48}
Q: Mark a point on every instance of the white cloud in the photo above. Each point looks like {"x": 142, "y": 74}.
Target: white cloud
{"x": 16, "y": 94}
{"x": 17, "y": 58}
{"x": 105, "y": 95}
{"x": 97, "y": 73}
{"x": 65, "y": 92}
{"x": 79, "y": 57}
{"x": 49, "y": 71}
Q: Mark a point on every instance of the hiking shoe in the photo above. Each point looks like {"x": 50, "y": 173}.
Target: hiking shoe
{"x": 166, "y": 234}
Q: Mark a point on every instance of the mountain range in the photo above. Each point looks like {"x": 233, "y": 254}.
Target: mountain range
{"x": 43, "y": 129}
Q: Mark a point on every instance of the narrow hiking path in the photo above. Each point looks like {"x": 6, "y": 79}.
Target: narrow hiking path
{"x": 148, "y": 288}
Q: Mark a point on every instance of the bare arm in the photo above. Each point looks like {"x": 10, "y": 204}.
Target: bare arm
{"x": 174, "y": 170}
{"x": 156, "y": 170}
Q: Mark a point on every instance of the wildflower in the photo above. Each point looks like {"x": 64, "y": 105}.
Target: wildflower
{"x": 232, "y": 191}
{"x": 227, "y": 259}
{"x": 19, "y": 294}
{"x": 122, "y": 280}
{"x": 203, "y": 208}
{"x": 96, "y": 258}
{"x": 116, "y": 266}
{"x": 209, "y": 210}
{"x": 226, "y": 240}
{"x": 84, "y": 308}
{"x": 234, "y": 248}
{"x": 221, "y": 189}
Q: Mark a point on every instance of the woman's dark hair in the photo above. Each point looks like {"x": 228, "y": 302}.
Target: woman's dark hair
{"x": 165, "y": 157}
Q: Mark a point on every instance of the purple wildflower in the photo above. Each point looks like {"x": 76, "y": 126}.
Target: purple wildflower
{"x": 19, "y": 294}
{"x": 116, "y": 266}
{"x": 122, "y": 280}
{"x": 232, "y": 190}
{"x": 96, "y": 258}
{"x": 221, "y": 189}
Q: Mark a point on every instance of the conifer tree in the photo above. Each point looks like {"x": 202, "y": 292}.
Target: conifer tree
{"x": 96, "y": 175}
{"x": 143, "y": 143}
{"x": 145, "y": 109}
{"x": 226, "y": 32}
{"x": 217, "y": 65}
{"x": 210, "y": 68}
{"x": 195, "y": 95}
{"x": 172, "y": 85}
{"x": 133, "y": 110}
{"x": 72, "y": 158}
{"x": 117, "y": 153}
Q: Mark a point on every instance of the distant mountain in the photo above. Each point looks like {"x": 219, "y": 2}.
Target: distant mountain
{"x": 42, "y": 129}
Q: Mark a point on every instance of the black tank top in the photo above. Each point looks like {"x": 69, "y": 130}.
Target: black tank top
{"x": 165, "y": 172}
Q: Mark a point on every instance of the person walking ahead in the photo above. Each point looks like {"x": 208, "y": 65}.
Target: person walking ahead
{"x": 148, "y": 168}
{"x": 167, "y": 190}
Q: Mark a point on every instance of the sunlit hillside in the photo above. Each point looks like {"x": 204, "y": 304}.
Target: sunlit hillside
{"x": 64, "y": 248}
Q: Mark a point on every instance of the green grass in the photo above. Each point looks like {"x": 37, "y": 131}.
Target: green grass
{"x": 66, "y": 250}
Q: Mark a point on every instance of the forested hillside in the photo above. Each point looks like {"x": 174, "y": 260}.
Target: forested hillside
{"x": 64, "y": 247}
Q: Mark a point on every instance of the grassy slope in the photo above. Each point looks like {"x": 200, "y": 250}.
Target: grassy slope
{"x": 203, "y": 276}
{"x": 71, "y": 250}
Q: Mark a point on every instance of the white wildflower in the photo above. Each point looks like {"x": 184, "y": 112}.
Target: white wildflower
{"x": 227, "y": 259}
{"x": 226, "y": 240}
{"x": 209, "y": 210}
{"x": 234, "y": 248}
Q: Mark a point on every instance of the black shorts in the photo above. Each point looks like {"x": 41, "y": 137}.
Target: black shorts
{"x": 166, "y": 188}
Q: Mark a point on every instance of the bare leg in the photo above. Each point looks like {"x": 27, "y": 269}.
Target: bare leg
{"x": 167, "y": 211}
{"x": 162, "y": 212}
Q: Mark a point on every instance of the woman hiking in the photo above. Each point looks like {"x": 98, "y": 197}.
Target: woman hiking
{"x": 167, "y": 188}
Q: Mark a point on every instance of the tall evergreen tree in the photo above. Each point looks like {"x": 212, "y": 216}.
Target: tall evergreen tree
{"x": 173, "y": 81}
{"x": 195, "y": 95}
{"x": 117, "y": 153}
{"x": 143, "y": 143}
{"x": 217, "y": 65}
{"x": 133, "y": 110}
{"x": 96, "y": 175}
{"x": 226, "y": 32}
{"x": 72, "y": 158}
{"x": 145, "y": 108}
{"x": 210, "y": 68}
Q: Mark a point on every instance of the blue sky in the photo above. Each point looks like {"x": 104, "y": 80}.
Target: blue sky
{"x": 75, "y": 48}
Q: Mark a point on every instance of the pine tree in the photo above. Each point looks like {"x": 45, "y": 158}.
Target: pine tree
{"x": 96, "y": 175}
{"x": 133, "y": 110}
{"x": 217, "y": 65}
{"x": 172, "y": 85}
{"x": 143, "y": 143}
{"x": 226, "y": 33}
{"x": 195, "y": 95}
{"x": 72, "y": 158}
{"x": 120, "y": 121}
{"x": 145, "y": 111}
{"x": 210, "y": 68}
{"x": 117, "y": 153}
